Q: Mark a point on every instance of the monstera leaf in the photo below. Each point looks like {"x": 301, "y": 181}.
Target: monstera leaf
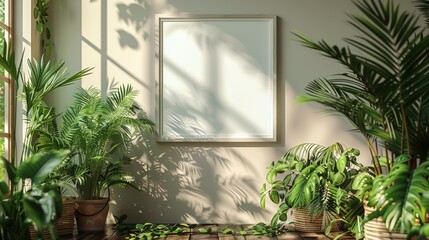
{"x": 306, "y": 185}
{"x": 398, "y": 196}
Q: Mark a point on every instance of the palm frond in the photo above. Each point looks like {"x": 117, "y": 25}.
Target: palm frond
{"x": 423, "y": 6}
{"x": 384, "y": 89}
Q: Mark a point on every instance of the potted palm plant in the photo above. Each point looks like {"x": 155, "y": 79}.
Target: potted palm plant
{"x": 98, "y": 132}
{"x": 315, "y": 181}
{"x": 384, "y": 94}
{"x": 44, "y": 77}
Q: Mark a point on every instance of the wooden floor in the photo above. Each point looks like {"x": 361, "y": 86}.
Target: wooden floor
{"x": 111, "y": 233}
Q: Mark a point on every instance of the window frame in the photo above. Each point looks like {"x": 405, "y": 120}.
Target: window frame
{"x": 8, "y": 133}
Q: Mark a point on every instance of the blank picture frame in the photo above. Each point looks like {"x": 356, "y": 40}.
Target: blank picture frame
{"x": 216, "y": 78}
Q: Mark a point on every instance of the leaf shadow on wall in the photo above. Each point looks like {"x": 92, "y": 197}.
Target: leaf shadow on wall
{"x": 188, "y": 183}
{"x": 135, "y": 14}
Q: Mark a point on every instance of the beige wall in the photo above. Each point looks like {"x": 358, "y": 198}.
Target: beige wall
{"x": 200, "y": 182}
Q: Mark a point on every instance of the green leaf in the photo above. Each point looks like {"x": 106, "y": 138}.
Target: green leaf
{"x": 205, "y": 230}
{"x": 139, "y": 226}
{"x": 361, "y": 180}
{"x": 40, "y": 165}
{"x": 341, "y": 163}
{"x": 10, "y": 171}
{"x": 4, "y": 188}
{"x": 271, "y": 176}
{"x": 287, "y": 179}
{"x": 39, "y": 27}
{"x": 35, "y": 212}
{"x": 299, "y": 166}
{"x": 339, "y": 178}
{"x": 274, "y": 196}
{"x": 280, "y": 167}
{"x": 263, "y": 189}
{"x": 424, "y": 230}
{"x": 263, "y": 200}
{"x": 228, "y": 231}
{"x": 275, "y": 219}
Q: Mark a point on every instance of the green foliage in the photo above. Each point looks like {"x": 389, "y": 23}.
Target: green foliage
{"x": 154, "y": 231}
{"x": 99, "y": 133}
{"x": 384, "y": 90}
{"x": 40, "y": 14}
{"x": 398, "y": 195}
{"x": 39, "y": 205}
{"x": 317, "y": 178}
{"x": 384, "y": 94}
{"x": 44, "y": 78}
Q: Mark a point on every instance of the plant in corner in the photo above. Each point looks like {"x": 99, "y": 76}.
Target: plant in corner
{"x": 316, "y": 180}
{"x": 40, "y": 197}
{"x": 384, "y": 93}
{"x": 37, "y": 204}
{"x": 98, "y": 131}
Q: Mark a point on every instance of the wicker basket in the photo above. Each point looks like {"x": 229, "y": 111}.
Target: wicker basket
{"x": 65, "y": 224}
{"x": 376, "y": 228}
{"x": 304, "y": 222}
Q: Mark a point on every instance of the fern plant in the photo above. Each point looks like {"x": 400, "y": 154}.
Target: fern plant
{"x": 98, "y": 133}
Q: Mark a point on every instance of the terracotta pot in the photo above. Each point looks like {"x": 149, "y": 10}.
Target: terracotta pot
{"x": 91, "y": 215}
{"x": 304, "y": 222}
{"x": 376, "y": 228}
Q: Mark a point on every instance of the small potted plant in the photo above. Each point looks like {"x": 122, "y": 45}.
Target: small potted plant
{"x": 316, "y": 182}
{"x": 38, "y": 204}
{"x": 98, "y": 131}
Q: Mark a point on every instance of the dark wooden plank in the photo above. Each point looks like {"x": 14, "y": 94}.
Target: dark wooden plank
{"x": 184, "y": 236}
{"x": 314, "y": 236}
{"x": 197, "y": 236}
{"x": 289, "y": 236}
{"x": 231, "y": 237}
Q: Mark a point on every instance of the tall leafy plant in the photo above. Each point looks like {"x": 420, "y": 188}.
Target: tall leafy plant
{"x": 44, "y": 78}
{"x": 384, "y": 90}
{"x": 34, "y": 203}
{"x": 99, "y": 133}
{"x": 384, "y": 93}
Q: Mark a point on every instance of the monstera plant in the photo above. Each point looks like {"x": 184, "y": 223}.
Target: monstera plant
{"x": 318, "y": 179}
{"x": 384, "y": 93}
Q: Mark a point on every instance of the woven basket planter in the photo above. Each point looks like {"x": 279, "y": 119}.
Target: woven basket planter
{"x": 304, "y": 222}
{"x": 65, "y": 224}
{"x": 376, "y": 228}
